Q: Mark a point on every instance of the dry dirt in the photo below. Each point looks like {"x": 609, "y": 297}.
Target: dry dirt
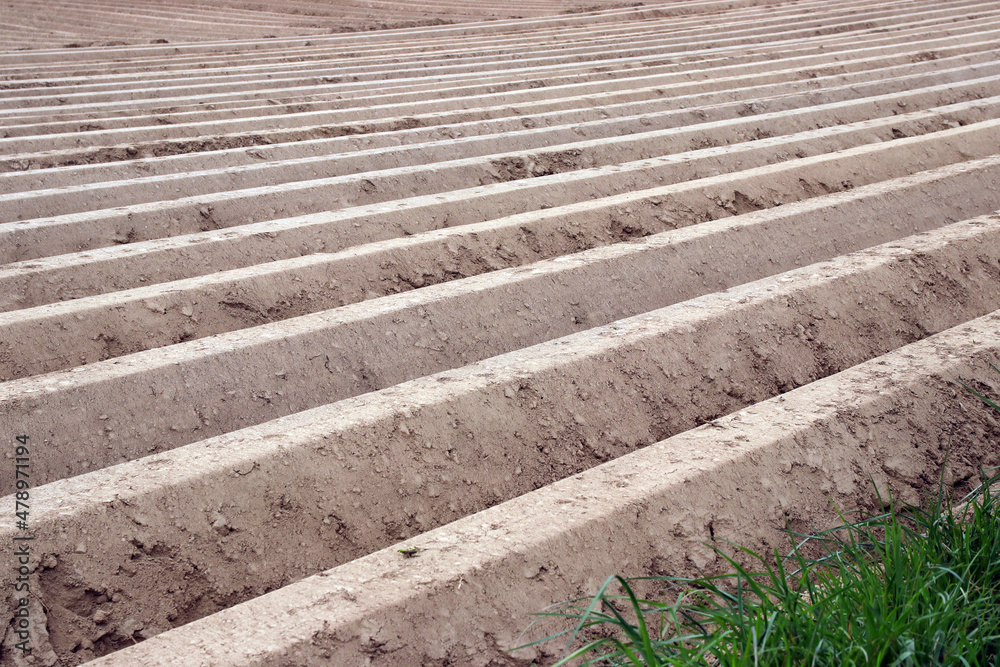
{"x": 544, "y": 289}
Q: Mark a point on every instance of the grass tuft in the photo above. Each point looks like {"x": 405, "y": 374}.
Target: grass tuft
{"x": 905, "y": 588}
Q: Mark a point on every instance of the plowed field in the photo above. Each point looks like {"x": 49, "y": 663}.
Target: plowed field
{"x": 547, "y": 291}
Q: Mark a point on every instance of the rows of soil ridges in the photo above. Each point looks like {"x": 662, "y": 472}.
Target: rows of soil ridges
{"x": 76, "y": 24}
{"x": 539, "y": 291}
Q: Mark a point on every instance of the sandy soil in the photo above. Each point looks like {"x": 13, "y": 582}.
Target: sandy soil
{"x": 550, "y": 290}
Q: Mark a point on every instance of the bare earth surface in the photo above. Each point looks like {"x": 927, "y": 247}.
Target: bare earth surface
{"x": 546, "y": 290}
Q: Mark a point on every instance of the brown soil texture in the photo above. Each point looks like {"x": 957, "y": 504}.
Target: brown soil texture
{"x": 547, "y": 290}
